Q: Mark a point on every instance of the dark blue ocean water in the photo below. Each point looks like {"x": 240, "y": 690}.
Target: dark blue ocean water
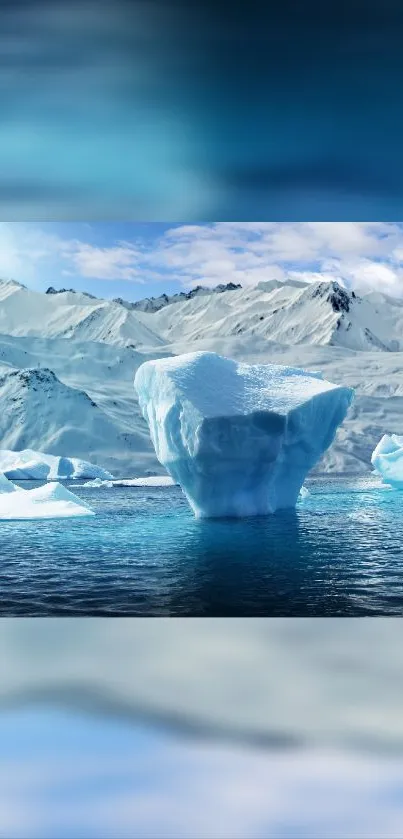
{"x": 339, "y": 553}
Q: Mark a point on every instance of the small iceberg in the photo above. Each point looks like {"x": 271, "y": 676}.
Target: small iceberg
{"x": 98, "y": 482}
{"x": 51, "y": 501}
{"x": 238, "y": 438}
{"x": 387, "y": 460}
{"x": 30, "y": 465}
{"x": 150, "y": 481}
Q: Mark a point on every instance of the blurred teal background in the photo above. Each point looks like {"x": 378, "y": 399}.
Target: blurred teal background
{"x": 173, "y": 111}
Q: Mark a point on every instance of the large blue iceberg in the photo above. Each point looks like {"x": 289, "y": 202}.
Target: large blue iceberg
{"x": 387, "y": 460}
{"x": 238, "y": 438}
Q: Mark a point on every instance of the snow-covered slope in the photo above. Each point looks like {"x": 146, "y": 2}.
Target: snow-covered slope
{"x": 288, "y": 313}
{"x": 38, "y": 411}
{"x": 94, "y": 347}
{"x": 154, "y": 304}
{"x": 24, "y": 312}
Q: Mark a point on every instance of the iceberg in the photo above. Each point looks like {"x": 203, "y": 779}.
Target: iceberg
{"x": 29, "y": 465}
{"x": 6, "y": 485}
{"x": 98, "y": 482}
{"x": 387, "y": 460}
{"x": 51, "y": 501}
{"x": 238, "y": 438}
{"x": 148, "y": 481}
{"x": 154, "y": 481}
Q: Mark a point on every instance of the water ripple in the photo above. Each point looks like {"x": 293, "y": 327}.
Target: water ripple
{"x": 339, "y": 553}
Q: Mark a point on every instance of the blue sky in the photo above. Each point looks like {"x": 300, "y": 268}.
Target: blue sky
{"x": 135, "y": 259}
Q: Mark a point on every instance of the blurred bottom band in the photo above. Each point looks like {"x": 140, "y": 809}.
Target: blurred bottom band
{"x": 201, "y": 728}
{"x": 71, "y": 775}
{"x": 262, "y": 682}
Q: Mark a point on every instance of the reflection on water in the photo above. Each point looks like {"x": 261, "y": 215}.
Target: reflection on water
{"x": 261, "y": 566}
{"x": 338, "y": 553}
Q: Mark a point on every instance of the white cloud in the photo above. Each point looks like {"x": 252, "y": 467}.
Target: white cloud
{"x": 366, "y": 255}
{"x": 115, "y": 263}
{"x": 316, "y": 277}
{"x": 358, "y": 255}
{"x": 381, "y": 276}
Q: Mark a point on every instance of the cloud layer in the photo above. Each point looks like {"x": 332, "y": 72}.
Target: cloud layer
{"x": 363, "y": 256}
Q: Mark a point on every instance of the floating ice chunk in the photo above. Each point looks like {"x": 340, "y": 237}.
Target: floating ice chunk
{"x": 72, "y": 467}
{"x": 98, "y": 482}
{"x": 52, "y": 501}
{"x": 38, "y": 466}
{"x": 387, "y": 460}
{"x": 303, "y": 493}
{"x": 238, "y": 438}
{"x": 151, "y": 481}
{"x": 31, "y": 470}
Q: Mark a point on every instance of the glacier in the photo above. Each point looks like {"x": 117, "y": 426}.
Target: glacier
{"x": 39, "y": 466}
{"x": 51, "y": 501}
{"x": 238, "y": 438}
{"x": 387, "y": 460}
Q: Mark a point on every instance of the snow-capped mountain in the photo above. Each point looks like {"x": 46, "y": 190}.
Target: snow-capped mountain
{"x": 37, "y": 409}
{"x": 321, "y": 314}
{"x": 154, "y": 304}
{"x": 91, "y": 349}
{"x": 288, "y": 313}
{"x": 70, "y": 315}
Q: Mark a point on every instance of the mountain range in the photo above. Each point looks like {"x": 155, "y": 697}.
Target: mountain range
{"x": 68, "y": 359}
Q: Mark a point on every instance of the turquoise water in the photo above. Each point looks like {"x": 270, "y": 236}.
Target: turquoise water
{"x": 338, "y": 553}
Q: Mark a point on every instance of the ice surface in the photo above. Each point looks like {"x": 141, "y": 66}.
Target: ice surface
{"x": 46, "y": 502}
{"x": 153, "y": 481}
{"x": 6, "y": 485}
{"x": 387, "y": 460}
{"x": 150, "y": 481}
{"x": 98, "y": 482}
{"x": 238, "y": 438}
{"x": 38, "y": 466}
